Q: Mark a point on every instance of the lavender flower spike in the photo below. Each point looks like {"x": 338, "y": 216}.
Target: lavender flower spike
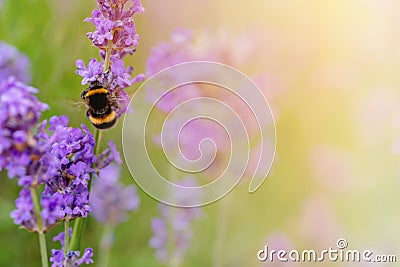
{"x": 174, "y": 224}
{"x": 116, "y": 37}
{"x": 73, "y": 257}
{"x": 110, "y": 199}
{"x": 61, "y": 159}
{"x": 73, "y": 156}
{"x": 13, "y": 63}
{"x": 24, "y": 215}
{"x": 114, "y": 22}
{"x": 20, "y": 110}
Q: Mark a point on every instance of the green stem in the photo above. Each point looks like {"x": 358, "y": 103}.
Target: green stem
{"x": 174, "y": 259}
{"x": 221, "y": 230}
{"x": 66, "y": 237}
{"x": 77, "y": 232}
{"x": 42, "y": 237}
{"x": 105, "y": 246}
{"x": 171, "y": 244}
{"x": 97, "y": 138}
{"x": 108, "y": 54}
{"x": 43, "y": 249}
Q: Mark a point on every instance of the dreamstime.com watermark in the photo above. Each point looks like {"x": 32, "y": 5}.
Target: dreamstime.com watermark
{"x": 340, "y": 253}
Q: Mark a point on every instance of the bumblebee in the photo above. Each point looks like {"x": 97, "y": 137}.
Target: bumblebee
{"x": 100, "y": 106}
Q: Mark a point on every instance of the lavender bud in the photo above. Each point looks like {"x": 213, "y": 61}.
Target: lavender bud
{"x": 24, "y": 215}
{"x": 73, "y": 257}
{"x": 107, "y": 156}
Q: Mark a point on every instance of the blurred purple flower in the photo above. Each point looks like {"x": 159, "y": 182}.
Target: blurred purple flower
{"x": 279, "y": 241}
{"x": 333, "y": 167}
{"x": 13, "y": 63}
{"x": 73, "y": 259}
{"x": 19, "y": 107}
{"x": 184, "y": 141}
{"x": 111, "y": 200}
{"x": 189, "y": 136}
{"x": 184, "y": 46}
{"x": 178, "y": 50}
{"x": 159, "y": 241}
{"x": 169, "y": 100}
{"x": 20, "y": 110}
{"x": 319, "y": 224}
{"x": 173, "y": 226}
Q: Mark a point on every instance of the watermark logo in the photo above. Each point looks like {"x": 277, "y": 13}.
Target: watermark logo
{"x": 338, "y": 254}
{"x": 137, "y": 140}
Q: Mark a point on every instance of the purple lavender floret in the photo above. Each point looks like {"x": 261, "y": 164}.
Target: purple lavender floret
{"x": 89, "y": 73}
{"x": 61, "y": 237}
{"x": 73, "y": 257}
{"x": 24, "y": 215}
{"x": 174, "y": 225}
{"x": 111, "y": 200}
{"x": 115, "y": 80}
{"x": 159, "y": 241}
{"x": 72, "y": 201}
{"x": 60, "y": 151}
{"x": 62, "y": 159}
{"x": 13, "y": 63}
{"x": 57, "y": 258}
{"x": 51, "y": 210}
{"x": 72, "y": 156}
{"x": 114, "y": 22}
{"x": 71, "y": 150}
{"x": 20, "y": 111}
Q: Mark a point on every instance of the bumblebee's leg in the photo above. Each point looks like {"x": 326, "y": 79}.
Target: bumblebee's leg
{"x": 84, "y": 93}
{"x": 87, "y": 113}
{"x": 113, "y": 101}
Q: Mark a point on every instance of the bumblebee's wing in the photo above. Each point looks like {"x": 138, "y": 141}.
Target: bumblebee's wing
{"x": 76, "y": 105}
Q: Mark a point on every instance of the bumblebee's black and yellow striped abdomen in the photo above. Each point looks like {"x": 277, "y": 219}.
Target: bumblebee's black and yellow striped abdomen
{"x": 99, "y": 106}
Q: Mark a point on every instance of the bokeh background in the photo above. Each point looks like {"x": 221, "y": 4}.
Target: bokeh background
{"x": 330, "y": 70}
